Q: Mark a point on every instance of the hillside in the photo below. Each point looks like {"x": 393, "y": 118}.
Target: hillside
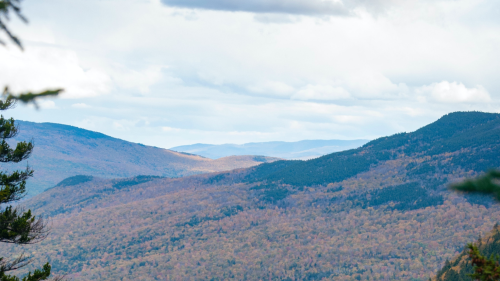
{"x": 450, "y": 137}
{"x": 62, "y": 151}
{"x": 305, "y": 149}
{"x": 460, "y": 267}
{"x": 379, "y": 212}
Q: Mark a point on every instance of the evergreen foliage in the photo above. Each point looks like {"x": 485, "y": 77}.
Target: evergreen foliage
{"x": 134, "y": 181}
{"x": 408, "y": 196}
{"x": 215, "y": 179}
{"x": 326, "y": 169}
{"x": 486, "y": 184}
{"x": 483, "y": 268}
{"x": 271, "y": 193}
{"x": 476, "y": 132}
{"x": 75, "y": 180}
{"x": 7, "y": 7}
{"x": 473, "y": 261}
{"x": 224, "y": 212}
{"x": 262, "y": 171}
{"x": 193, "y": 225}
{"x": 275, "y": 194}
{"x": 17, "y": 226}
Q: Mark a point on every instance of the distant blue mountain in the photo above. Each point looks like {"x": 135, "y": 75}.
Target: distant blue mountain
{"x": 305, "y": 149}
{"x": 63, "y": 151}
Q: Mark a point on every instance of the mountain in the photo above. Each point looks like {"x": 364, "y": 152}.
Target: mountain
{"x": 62, "y": 151}
{"x": 470, "y": 140}
{"x": 305, "y": 149}
{"x": 378, "y": 212}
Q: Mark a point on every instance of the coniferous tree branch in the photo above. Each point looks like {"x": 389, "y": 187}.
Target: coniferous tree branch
{"x": 7, "y": 103}
{"x": 485, "y": 269}
{"x": 21, "y": 152}
{"x": 17, "y": 263}
{"x": 13, "y": 185}
{"x": 16, "y": 225}
{"x": 7, "y": 126}
{"x": 6, "y": 7}
{"x": 486, "y": 184}
{"x": 21, "y": 227}
{"x": 26, "y": 98}
{"x": 37, "y": 275}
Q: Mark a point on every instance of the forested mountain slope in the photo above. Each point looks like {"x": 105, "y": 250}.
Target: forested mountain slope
{"x": 62, "y": 151}
{"x": 305, "y": 149}
{"x": 455, "y": 133}
{"x": 380, "y": 212}
{"x": 460, "y": 267}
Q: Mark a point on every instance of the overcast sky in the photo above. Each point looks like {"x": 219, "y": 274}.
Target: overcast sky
{"x": 174, "y": 72}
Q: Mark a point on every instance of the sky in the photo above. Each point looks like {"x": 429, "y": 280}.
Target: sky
{"x": 177, "y": 72}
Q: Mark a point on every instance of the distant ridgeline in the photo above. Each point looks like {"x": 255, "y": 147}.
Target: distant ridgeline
{"x": 469, "y": 141}
{"x": 378, "y": 212}
{"x": 305, "y": 149}
{"x": 63, "y": 151}
{"x": 75, "y": 180}
{"x": 472, "y": 139}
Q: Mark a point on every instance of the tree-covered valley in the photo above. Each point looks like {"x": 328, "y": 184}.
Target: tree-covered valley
{"x": 379, "y": 212}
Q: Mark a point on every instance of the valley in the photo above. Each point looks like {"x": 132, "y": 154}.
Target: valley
{"x": 378, "y": 212}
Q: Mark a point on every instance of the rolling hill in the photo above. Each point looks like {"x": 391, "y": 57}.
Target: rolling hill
{"x": 62, "y": 151}
{"x": 378, "y": 212}
{"x": 305, "y": 149}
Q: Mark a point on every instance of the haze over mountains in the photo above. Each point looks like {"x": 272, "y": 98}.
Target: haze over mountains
{"x": 305, "y": 149}
{"x": 379, "y": 212}
{"x": 63, "y": 151}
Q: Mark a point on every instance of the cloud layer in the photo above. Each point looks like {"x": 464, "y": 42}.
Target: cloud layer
{"x": 454, "y": 92}
{"x": 166, "y": 76}
{"x": 41, "y": 68}
{"x": 296, "y": 7}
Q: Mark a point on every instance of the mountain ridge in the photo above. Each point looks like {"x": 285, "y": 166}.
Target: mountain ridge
{"x": 304, "y": 149}
{"x": 62, "y": 151}
{"x": 388, "y": 217}
{"x": 361, "y": 159}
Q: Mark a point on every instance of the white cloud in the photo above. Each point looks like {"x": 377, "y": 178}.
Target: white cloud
{"x": 454, "y": 92}
{"x": 204, "y": 73}
{"x": 140, "y": 80}
{"x": 80, "y": 105}
{"x": 321, "y": 92}
{"x": 310, "y": 7}
{"x": 39, "y": 68}
{"x": 47, "y": 104}
{"x": 170, "y": 129}
{"x": 277, "y": 18}
{"x": 273, "y": 88}
{"x": 369, "y": 84}
{"x": 298, "y": 7}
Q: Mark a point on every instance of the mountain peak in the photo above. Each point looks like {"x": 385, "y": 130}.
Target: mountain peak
{"x": 456, "y": 122}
